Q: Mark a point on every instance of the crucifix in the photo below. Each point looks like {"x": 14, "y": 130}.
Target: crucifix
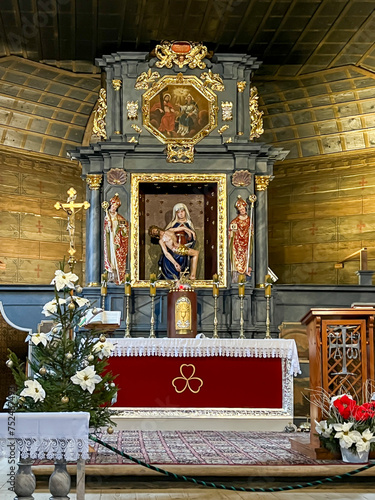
{"x": 344, "y": 343}
{"x": 71, "y": 208}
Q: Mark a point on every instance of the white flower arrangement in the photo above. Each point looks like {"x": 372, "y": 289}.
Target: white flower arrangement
{"x": 33, "y": 390}
{"x": 86, "y": 378}
{"x": 103, "y": 349}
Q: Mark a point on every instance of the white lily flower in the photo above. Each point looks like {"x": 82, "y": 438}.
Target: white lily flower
{"x": 33, "y": 390}
{"x": 103, "y": 349}
{"x": 345, "y": 436}
{"x": 364, "y": 442}
{"x": 39, "y": 338}
{"x": 62, "y": 280}
{"x": 51, "y": 307}
{"x": 80, "y": 301}
{"x": 86, "y": 378}
{"x": 323, "y": 429}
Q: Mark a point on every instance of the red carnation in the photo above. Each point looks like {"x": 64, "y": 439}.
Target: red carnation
{"x": 345, "y": 406}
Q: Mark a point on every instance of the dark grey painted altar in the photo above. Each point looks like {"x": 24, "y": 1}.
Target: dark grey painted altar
{"x": 138, "y": 153}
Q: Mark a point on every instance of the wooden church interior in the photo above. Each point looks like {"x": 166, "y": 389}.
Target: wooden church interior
{"x": 316, "y": 90}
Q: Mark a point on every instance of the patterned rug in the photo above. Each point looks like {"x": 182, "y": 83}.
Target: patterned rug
{"x": 200, "y": 448}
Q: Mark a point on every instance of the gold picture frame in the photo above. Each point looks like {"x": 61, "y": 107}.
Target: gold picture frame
{"x": 179, "y": 111}
{"x": 209, "y": 187}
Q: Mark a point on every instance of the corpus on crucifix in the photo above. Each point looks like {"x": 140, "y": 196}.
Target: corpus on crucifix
{"x": 71, "y": 207}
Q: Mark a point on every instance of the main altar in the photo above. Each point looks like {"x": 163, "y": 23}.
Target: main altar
{"x": 204, "y": 383}
{"x": 176, "y": 129}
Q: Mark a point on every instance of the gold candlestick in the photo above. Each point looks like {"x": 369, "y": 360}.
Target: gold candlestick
{"x": 152, "y": 295}
{"x": 241, "y": 294}
{"x": 267, "y": 294}
{"x": 103, "y": 289}
{"x": 215, "y": 294}
{"x": 128, "y": 292}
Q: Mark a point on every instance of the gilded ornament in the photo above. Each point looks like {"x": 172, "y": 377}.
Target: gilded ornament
{"x": 262, "y": 182}
{"x": 229, "y": 140}
{"x": 116, "y": 84}
{"x": 241, "y": 86}
{"x": 222, "y": 129}
{"x": 132, "y": 109}
{"x": 116, "y": 177}
{"x": 256, "y": 120}
{"x": 144, "y": 79}
{"x": 180, "y": 153}
{"x": 181, "y": 54}
{"x": 65, "y": 400}
{"x": 241, "y": 178}
{"x": 226, "y": 111}
{"x": 100, "y": 113}
{"x": 133, "y": 140}
{"x": 213, "y": 80}
{"x": 136, "y": 128}
{"x": 94, "y": 181}
{"x": 182, "y": 383}
{"x": 9, "y": 363}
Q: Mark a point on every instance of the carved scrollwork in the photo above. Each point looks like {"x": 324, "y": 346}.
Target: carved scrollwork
{"x": 99, "y": 116}
{"x": 256, "y": 120}
{"x": 145, "y": 79}
{"x": 180, "y": 153}
{"x": 213, "y": 80}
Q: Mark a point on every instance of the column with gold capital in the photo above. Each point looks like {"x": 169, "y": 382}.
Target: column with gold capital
{"x": 240, "y": 107}
{"x": 261, "y": 228}
{"x": 93, "y": 235}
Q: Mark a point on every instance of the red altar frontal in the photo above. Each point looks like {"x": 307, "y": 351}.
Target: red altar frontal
{"x": 205, "y": 376}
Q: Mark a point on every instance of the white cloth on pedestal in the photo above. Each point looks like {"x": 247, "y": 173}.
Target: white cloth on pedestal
{"x": 52, "y": 435}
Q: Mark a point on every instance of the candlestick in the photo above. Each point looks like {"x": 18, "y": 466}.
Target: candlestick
{"x": 152, "y": 321}
{"x": 152, "y": 285}
{"x": 103, "y": 288}
{"x": 267, "y": 286}
{"x": 128, "y": 286}
{"x": 267, "y": 294}
{"x": 128, "y": 292}
{"x": 241, "y": 285}
{"x": 215, "y": 294}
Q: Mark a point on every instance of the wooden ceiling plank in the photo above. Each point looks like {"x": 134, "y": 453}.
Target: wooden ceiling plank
{"x": 275, "y": 35}
{"x": 249, "y": 8}
{"x": 313, "y": 18}
{"x": 3, "y": 36}
{"x": 223, "y": 20}
{"x": 139, "y": 19}
{"x": 122, "y": 30}
{"x": 261, "y": 25}
{"x": 328, "y": 33}
{"x": 95, "y": 20}
{"x": 73, "y": 22}
{"x": 357, "y": 33}
{"x": 17, "y": 15}
{"x": 207, "y": 14}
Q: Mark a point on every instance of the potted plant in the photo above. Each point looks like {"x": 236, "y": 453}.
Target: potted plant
{"x": 347, "y": 427}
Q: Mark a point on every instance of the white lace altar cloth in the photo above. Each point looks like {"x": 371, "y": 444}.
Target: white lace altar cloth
{"x": 45, "y": 435}
{"x": 238, "y": 348}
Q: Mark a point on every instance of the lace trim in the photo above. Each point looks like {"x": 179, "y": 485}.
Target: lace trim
{"x": 275, "y": 348}
{"x": 70, "y": 449}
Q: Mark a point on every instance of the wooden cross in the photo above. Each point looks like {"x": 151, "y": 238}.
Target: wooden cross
{"x": 71, "y": 208}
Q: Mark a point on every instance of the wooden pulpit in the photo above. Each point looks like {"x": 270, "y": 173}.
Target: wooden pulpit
{"x": 182, "y": 313}
{"x": 341, "y": 358}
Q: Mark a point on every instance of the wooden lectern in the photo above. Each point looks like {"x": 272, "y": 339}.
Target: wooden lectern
{"x": 341, "y": 355}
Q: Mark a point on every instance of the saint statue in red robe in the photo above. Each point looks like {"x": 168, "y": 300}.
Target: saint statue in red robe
{"x": 240, "y": 240}
{"x": 116, "y": 238}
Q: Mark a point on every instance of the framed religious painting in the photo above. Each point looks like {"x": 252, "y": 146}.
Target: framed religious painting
{"x": 180, "y": 111}
{"x": 195, "y": 202}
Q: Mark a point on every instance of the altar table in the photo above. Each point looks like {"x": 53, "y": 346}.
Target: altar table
{"x": 59, "y": 436}
{"x": 177, "y": 377}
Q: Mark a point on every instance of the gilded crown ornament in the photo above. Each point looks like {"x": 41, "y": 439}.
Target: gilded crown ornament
{"x": 181, "y": 54}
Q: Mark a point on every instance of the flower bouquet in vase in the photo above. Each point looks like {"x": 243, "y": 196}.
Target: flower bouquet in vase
{"x": 347, "y": 427}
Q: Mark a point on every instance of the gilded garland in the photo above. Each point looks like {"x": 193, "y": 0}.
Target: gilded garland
{"x": 256, "y": 120}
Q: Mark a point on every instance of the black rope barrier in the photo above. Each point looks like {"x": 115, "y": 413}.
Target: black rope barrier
{"x": 208, "y": 484}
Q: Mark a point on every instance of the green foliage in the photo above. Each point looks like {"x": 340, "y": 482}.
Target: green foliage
{"x": 58, "y": 356}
